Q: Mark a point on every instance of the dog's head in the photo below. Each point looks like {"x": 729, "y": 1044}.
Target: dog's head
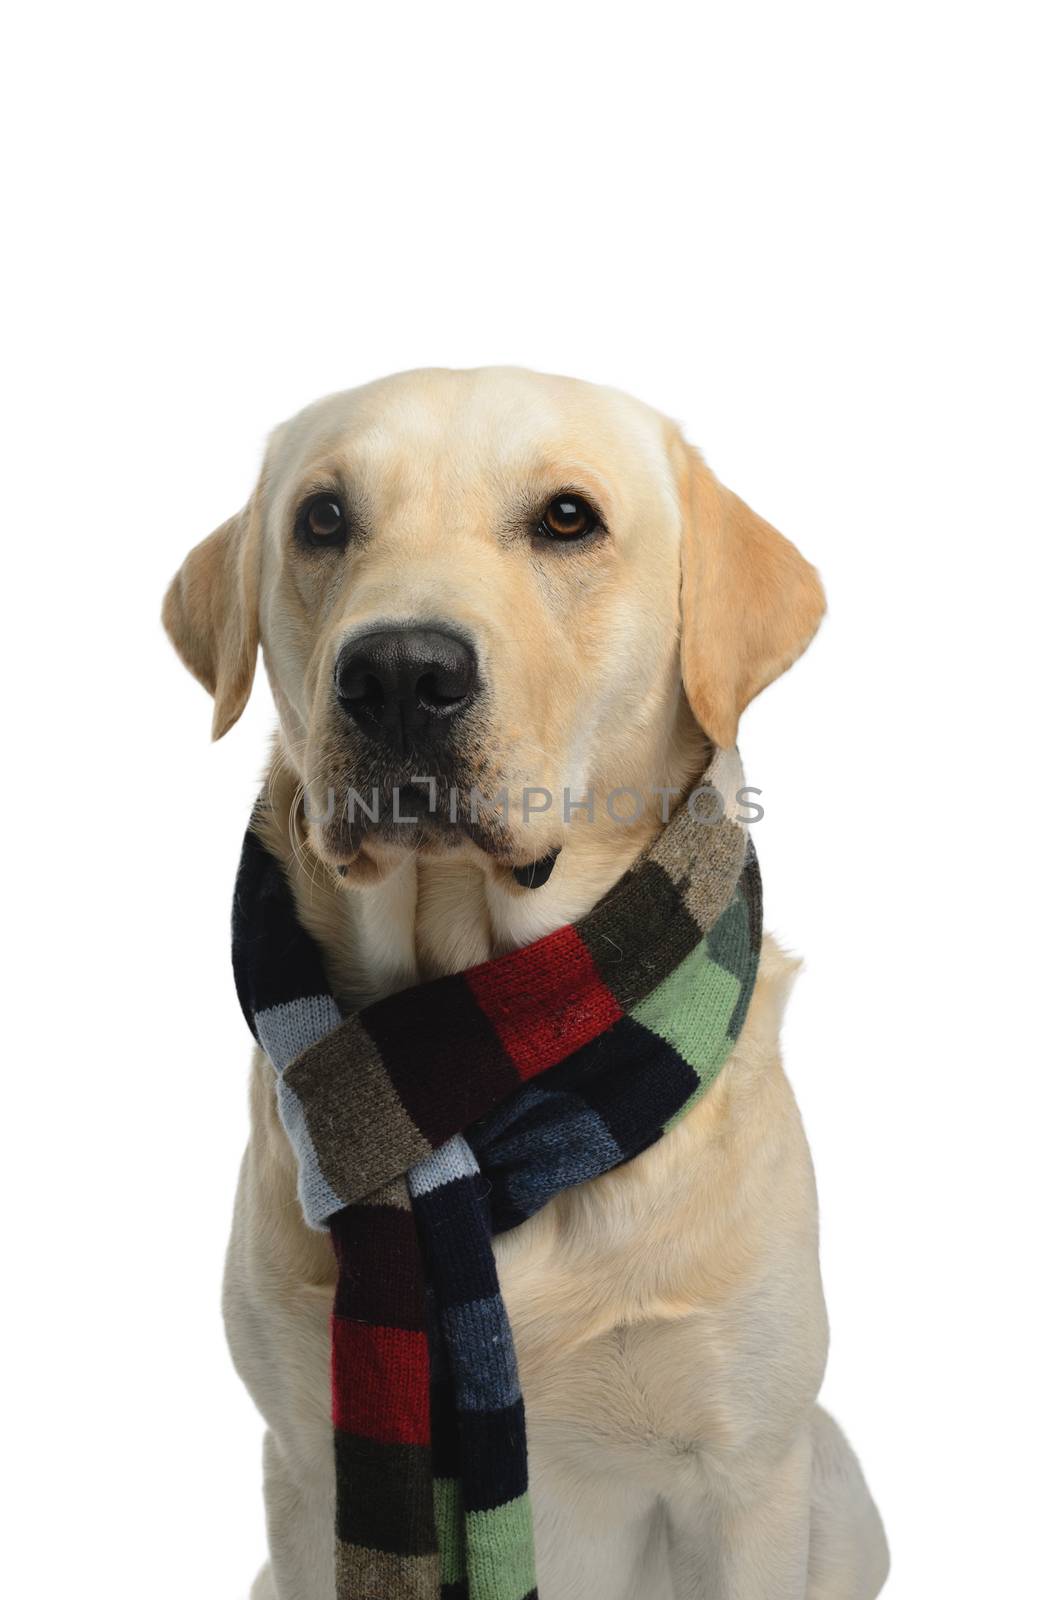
{"x": 481, "y": 598}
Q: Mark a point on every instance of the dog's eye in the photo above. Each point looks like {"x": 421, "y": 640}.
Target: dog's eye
{"x": 568, "y": 516}
{"x": 322, "y": 521}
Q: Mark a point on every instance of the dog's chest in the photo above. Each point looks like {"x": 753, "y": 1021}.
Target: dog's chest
{"x": 674, "y": 1306}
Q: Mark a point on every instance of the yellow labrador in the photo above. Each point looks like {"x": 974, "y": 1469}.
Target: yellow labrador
{"x": 528, "y": 584}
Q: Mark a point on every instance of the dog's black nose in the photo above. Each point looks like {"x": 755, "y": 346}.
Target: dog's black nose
{"x": 404, "y": 686}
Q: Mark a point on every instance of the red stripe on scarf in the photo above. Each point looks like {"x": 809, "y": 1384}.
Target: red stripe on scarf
{"x": 559, "y": 971}
{"x": 380, "y": 1382}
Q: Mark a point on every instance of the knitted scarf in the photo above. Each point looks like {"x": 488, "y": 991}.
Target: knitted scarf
{"x": 431, "y": 1120}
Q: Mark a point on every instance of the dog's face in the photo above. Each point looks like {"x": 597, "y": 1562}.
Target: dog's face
{"x": 484, "y": 597}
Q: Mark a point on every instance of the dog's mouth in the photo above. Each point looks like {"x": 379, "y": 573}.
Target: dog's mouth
{"x": 537, "y": 873}
{"x": 357, "y": 834}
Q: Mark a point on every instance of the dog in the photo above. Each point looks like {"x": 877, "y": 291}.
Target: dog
{"x": 496, "y": 580}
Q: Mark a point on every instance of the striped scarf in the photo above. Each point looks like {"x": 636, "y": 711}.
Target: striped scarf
{"x": 431, "y": 1120}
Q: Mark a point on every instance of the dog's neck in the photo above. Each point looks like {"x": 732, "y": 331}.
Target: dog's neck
{"x": 432, "y": 915}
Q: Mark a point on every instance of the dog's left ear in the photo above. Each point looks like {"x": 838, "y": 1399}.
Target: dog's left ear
{"x": 750, "y": 603}
{"x": 211, "y": 613}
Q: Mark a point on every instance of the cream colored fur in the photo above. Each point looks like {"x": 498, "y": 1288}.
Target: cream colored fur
{"x": 669, "y": 1319}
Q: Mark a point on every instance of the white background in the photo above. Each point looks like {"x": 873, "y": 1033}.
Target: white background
{"x": 822, "y": 237}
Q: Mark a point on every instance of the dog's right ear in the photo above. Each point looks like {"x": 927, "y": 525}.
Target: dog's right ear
{"x": 750, "y": 603}
{"x": 211, "y": 613}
